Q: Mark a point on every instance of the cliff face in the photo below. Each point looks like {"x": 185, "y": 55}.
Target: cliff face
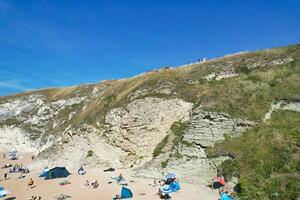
{"x": 159, "y": 121}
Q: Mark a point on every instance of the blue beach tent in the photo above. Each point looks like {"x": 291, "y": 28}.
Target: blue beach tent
{"x": 57, "y": 172}
{"x": 126, "y": 193}
{"x": 3, "y": 192}
{"x": 45, "y": 171}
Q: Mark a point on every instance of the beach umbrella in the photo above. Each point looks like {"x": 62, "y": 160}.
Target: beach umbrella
{"x": 220, "y": 180}
{"x": 170, "y": 175}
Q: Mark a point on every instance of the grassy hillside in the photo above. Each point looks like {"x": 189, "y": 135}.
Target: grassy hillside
{"x": 266, "y": 158}
{"x": 247, "y": 95}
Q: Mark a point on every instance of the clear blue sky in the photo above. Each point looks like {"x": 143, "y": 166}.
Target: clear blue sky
{"x": 47, "y": 43}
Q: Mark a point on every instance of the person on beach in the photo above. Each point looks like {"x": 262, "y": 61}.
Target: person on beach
{"x": 81, "y": 171}
{"x": 35, "y": 198}
{"x": 87, "y": 184}
{"x": 5, "y": 175}
{"x": 161, "y": 182}
{"x": 95, "y": 184}
{"x": 120, "y": 177}
{"x": 30, "y": 183}
{"x": 21, "y": 175}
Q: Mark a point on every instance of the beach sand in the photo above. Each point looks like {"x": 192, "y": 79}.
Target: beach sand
{"x": 142, "y": 188}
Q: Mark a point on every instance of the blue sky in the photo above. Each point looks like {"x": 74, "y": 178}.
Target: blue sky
{"x": 61, "y": 42}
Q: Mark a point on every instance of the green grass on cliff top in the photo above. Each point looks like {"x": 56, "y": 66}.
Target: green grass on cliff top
{"x": 248, "y": 95}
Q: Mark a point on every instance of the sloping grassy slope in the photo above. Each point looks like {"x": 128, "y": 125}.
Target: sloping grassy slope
{"x": 247, "y": 96}
{"x": 266, "y": 158}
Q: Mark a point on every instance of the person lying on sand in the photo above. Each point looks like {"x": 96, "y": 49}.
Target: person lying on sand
{"x": 95, "y": 184}
{"x": 6, "y": 166}
{"x": 161, "y": 182}
{"x": 35, "y": 198}
{"x": 120, "y": 177}
{"x": 21, "y": 175}
{"x": 87, "y": 184}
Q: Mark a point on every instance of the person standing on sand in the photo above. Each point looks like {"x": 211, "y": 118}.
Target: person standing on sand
{"x": 5, "y": 175}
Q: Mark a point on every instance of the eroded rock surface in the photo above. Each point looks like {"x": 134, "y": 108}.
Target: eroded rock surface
{"x": 142, "y": 124}
{"x": 206, "y": 127}
{"x": 188, "y": 159}
{"x": 282, "y": 105}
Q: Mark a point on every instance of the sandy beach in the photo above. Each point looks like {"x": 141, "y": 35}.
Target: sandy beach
{"x": 143, "y": 189}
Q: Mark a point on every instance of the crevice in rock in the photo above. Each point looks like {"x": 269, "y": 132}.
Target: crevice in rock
{"x": 209, "y": 117}
{"x": 200, "y": 145}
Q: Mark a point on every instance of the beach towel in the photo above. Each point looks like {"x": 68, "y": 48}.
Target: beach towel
{"x": 165, "y": 190}
{"x": 64, "y": 182}
{"x": 116, "y": 178}
{"x": 123, "y": 182}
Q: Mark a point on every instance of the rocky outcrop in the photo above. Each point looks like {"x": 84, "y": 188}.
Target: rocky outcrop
{"x": 159, "y": 88}
{"x": 206, "y": 127}
{"x": 282, "y": 105}
{"x": 15, "y": 107}
{"x": 188, "y": 158}
{"x": 28, "y": 119}
{"x": 142, "y": 124}
{"x": 220, "y": 75}
{"x": 266, "y": 61}
{"x": 76, "y": 149}
{"x": 15, "y": 138}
